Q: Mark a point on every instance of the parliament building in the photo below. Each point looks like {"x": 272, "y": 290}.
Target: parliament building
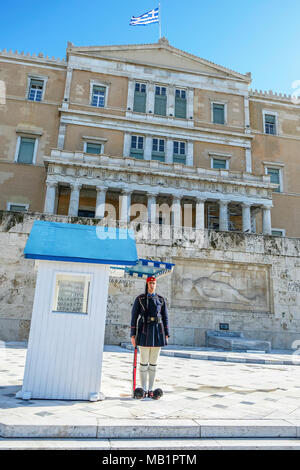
{"x": 154, "y": 137}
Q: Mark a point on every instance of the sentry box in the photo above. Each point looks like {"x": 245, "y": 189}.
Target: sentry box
{"x": 66, "y": 339}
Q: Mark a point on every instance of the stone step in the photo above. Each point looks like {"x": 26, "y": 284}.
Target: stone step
{"x": 150, "y": 444}
{"x": 95, "y": 428}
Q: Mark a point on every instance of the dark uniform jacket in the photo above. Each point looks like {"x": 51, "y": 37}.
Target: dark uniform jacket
{"x": 149, "y": 320}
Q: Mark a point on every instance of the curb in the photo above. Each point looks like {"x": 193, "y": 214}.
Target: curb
{"x": 221, "y": 358}
{"x": 153, "y": 429}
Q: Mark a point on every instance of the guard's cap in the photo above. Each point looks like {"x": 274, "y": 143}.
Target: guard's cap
{"x": 151, "y": 278}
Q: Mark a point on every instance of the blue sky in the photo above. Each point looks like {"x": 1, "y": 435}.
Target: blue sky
{"x": 257, "y": 36}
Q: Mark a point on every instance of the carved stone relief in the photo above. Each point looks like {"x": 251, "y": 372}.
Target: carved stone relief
{"x": 221, "y": 285}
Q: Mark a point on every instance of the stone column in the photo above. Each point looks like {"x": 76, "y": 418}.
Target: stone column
{"x": 65, "y": 104}
{"x": 171, "y": 101}
{"x": 150, "y": 98}
{"x": 74, "y": 199}
{"x": 223, "y": 215}
{"x": 49, "y": 207}
{"x": 127, "y": 144}
{"x": 176, "y": 209}
{"x": 61, "y": 136}
{"x": 130, "y": 97}
{"x": 267, "y": 227}
{"x": 253, "y": 222}
{"x": 246, "y": 217}
{"x": 190, "y": 103}
{"x": 125, "y": 201}
{"x": 190, "y": 154}
{"x": 169, "y": 153}
{"x": 152, "y": 208}
{"x": 148, "y": 147}
{"x": 247, "y": 113}
{"x": 100, "y": 201}
{"x": 200, "y": 213}
{"x": 248, "y": 159}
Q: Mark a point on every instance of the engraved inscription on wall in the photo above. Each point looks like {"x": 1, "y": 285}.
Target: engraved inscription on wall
{"x": 221, "y": 285}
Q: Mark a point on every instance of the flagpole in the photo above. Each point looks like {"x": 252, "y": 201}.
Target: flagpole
{"x": 159, "y": 16}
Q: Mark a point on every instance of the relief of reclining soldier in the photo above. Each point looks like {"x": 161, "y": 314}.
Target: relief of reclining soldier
{"x": 222, "y": 285}
{"x": 212, "y": 290}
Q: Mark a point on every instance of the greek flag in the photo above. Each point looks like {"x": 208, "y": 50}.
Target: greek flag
{"x": 146, "y": 18}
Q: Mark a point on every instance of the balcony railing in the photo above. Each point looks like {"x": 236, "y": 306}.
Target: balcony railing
{"x": 104, "y": 160}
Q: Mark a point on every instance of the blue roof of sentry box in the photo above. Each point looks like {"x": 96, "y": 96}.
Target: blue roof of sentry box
{"x": 81, "y": 243}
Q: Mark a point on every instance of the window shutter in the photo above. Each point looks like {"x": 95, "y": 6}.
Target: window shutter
{"x": 219, "y": 164}
{"x": 17, "y": 208}
{"x": 26, "y": 150}
{"x": 160, "y": 106}
{"x": 180, "y": 107}
{"x": 137, "y": 153}
{"x": 218, "y": 114}
{"x": 270, "y": 119}
{"x": 98, "y": 89}
{"x": 93, "y": 148}
{"x": 274, "y": 174}
{"x": 160, "y": 156}
{"x": 38, "y": 83}
{"x": 139, "y": 104}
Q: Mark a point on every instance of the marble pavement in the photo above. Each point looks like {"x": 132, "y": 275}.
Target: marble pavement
{"x": 203, "y": 399}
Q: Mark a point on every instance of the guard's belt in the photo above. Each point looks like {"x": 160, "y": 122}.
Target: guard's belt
{"x": 152, "y": 319}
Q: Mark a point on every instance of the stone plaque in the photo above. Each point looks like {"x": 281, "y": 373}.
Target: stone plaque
{"x": 71, "y": 294}
{"x": 221, "y": 285}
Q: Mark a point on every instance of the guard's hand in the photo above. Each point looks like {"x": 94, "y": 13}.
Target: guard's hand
{"x": 167, "y": 339}
{"x": 133, "y": 341}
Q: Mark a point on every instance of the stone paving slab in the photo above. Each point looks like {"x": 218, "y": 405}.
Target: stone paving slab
{"x": 148, "y": 444}
{"x": 202, "y": 399}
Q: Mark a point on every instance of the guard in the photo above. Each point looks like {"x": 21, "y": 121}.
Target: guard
{"x": 149, "y": 331}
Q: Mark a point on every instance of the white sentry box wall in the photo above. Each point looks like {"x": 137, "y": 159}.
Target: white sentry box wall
{"x": 64, "y": 356}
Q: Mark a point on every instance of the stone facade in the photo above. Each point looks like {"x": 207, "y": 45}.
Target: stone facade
{"x": 250, "y": 281}
{"x": 64, "y": 119}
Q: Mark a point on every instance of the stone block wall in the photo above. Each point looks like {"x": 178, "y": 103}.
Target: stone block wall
{"x": 250, "y": 281}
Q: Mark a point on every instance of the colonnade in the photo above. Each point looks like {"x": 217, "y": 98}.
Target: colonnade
{"x": 125, "y": 203}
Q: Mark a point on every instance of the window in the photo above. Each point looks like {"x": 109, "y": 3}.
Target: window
{"x": 137, "y": 147}
{"x": 218, "y": 113}
{"x": 86, "y": 213}
{"x": 11, "y": 206}
{"x": 26, "y": 150}
{"x": 90, "y": 147}
{"x": 71, "y": 293}
{"x": 158, "y": 150}
{"x": 160, "y": 105}
{"x": 98, "y": 96}
{"x": 35, "y": 92}
{"x": 212, "y": 217}
{"x": 179, "y": 155}
{"x": 139, "y": 102}
{"x": 219, "y": 163}
{"x": 180, "y": 103}
{"x": 278, "y": 232}
{"x": 275, "y": 177}
{"x": 270, "y": 123}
